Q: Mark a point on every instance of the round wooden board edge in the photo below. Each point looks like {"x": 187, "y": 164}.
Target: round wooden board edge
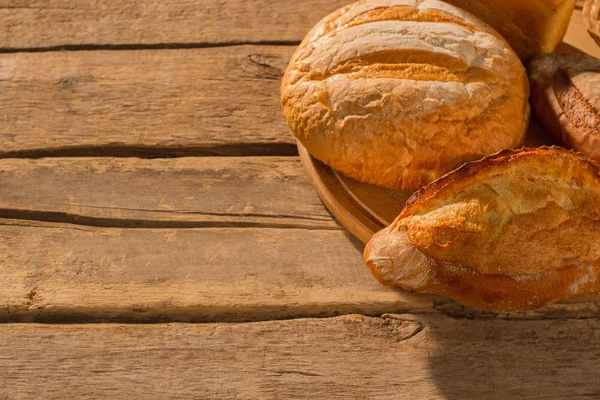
{"x": 343, "y": 207}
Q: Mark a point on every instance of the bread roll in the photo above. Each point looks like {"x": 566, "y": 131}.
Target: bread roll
{"x": 565, "y": 94}
{"x": 514, "y": 231}
{"x": 399, "y": 92}
{"x": 591, "y": 16}
{"x": 530, "y": 26}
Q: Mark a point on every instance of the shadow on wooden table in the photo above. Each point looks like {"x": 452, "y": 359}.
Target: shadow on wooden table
{"x": 514, "y": 359}
{"x": 360, "y": 246}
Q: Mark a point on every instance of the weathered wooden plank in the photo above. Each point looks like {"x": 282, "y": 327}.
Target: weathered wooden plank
{"x": 121, "y": 250}
{"x": 65, "y": 272}
{"x": 210, "y": 101}
{"x": 181, "y": 192}
{"x": 68, "y": 23}
{"x": 82, "y": 22}
{"x": 395, "y": 357}
{"x": 222, "y": 101}
{"x": 69, "y": 272}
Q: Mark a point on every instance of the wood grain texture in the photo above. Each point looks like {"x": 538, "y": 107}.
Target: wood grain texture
{"x": 157, "y": 102}
{"x": 168, "y": 193}
{"x": 394, "y": 357}
{"x": 209, "y": 101}
{"x": 96, "y": 22}
{"x": 65, "y": 272}
{"x": 68, "y": 23}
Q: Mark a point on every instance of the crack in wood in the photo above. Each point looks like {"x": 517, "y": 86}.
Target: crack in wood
{"x": 77, "y": 9}
{"x": 149, "y": 46}
{"x": 193, "y": 212}
{"x": 195, "y": 314}
{"x": 132, "y": 223}
{"x": 229, "y": 150}
{"x": 284, "y": 372}
{"x": 405, "y": 328}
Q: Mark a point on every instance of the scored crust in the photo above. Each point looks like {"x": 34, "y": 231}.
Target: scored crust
{"x": 399, "y": 92}
{"x": 565, "y": 94}
{"x": 514, "y": 231}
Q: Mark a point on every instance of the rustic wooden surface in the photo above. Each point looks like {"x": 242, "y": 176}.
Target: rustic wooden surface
{"x": 85, "y": 23}
{"x": 65, "y": 272}
{"x": 165, "y": 239}
{"x": 69, "y": 24}
{"x": 195, "y": 102}
{"x": 395, "y": 357}
{"x": 215, "y": 101}
{"x": 147, "y": 175}
{"x": 186, "y": 192}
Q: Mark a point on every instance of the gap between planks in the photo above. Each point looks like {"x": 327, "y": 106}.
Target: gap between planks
{"x": 189, "y": 192}
{"x": 149, "y": 46}
{"x": 123, "y": 151}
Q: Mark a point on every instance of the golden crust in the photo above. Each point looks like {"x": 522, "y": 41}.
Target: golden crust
{"x": 513, "y": 231}
{"x": 399, "y": 92}
{"x": 566, "y": 99}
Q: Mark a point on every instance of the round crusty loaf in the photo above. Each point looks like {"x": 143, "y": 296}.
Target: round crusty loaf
{"x": 399, "y": 92}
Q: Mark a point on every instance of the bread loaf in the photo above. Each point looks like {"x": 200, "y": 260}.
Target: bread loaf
{"x": 530, "y": 26}
{"x": 399, "y": 92}
{"x": 565, "y": 94}
{"x": 591, "y": 16}
{"x": 514, "y": 231}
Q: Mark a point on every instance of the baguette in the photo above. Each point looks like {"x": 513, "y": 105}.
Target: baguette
{"x": 514, "y": 231}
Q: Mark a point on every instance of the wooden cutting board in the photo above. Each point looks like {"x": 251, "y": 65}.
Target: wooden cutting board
{"x": 366, "y": 209}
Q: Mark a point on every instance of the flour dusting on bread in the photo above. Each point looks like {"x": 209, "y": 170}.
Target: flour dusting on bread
{"x": 516, "y": 230}
{"x": 399, "y": 92}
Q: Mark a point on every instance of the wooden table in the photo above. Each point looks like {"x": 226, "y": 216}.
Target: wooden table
{"x": 159, "y": 238}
